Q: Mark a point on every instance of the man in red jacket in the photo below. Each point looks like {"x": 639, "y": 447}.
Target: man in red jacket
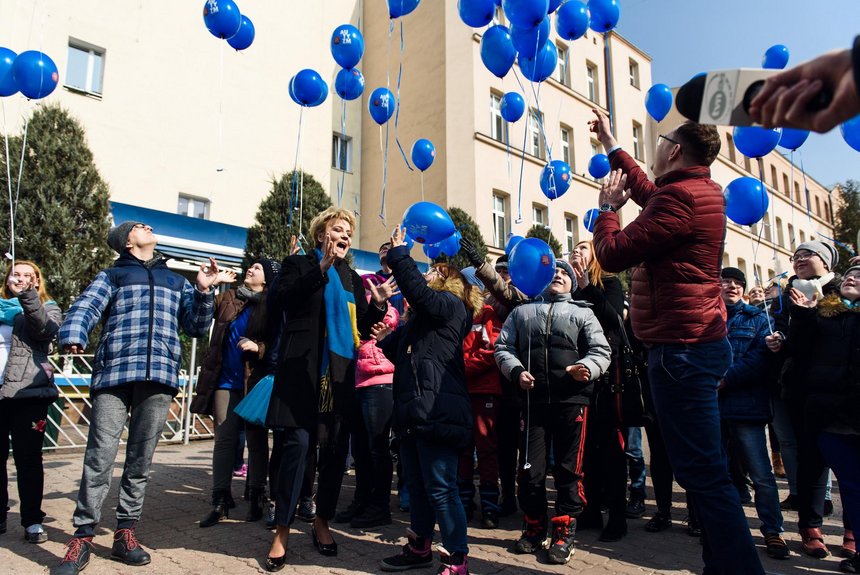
{"x": 676, "y": 246}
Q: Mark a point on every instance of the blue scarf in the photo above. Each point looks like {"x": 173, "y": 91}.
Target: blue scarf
{"x": 341, "y": 337}
{"x": 9, "y": 308}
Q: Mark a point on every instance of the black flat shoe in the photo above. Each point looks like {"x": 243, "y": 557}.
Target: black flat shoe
{"x": 327, "y": 549}
{"x": 276, "y": 563}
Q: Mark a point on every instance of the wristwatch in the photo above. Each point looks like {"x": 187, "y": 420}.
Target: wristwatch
{"x": 607, "y": 208}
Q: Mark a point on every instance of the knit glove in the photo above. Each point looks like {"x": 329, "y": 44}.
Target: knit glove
{"x": 471, "y": 252}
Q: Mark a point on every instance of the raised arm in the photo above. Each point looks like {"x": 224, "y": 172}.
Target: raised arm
{"x": 86, "y": 312}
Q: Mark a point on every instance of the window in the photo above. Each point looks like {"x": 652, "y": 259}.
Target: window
{"x": 535, "y": 141}
{"x": 726, "y": 262}
{"x": 773, "y": 179}
{"x": 785, "y": 185}
{"x": 85, "y": 67}
{"x": 757, "y": 271}
{"x": 538, "y": 215}
{"x": 765, "y": 223}
{"x": 595, "y": 147}
{"x": 780, "y": 238}
{"x": 561, "y": 68}
{"x": 591, "y": 79}
{"x": 566, "y": 138}
{"x": 498, "y": 15}
{"x": 770, "y": 275}
{"x": 827, "y": 215}
{"x": 498, "y": 125}
{"x": 571, "y": 233}
{"x": 742, "y": 265}
{"x": 193, "y": 207}
{"x": 638, "y": 148}
{"x": 341, "y": 152}
{"x": 634, "y": 73}
{"x": 796, "y": 192}
{"x": 731, "y": 148}
{"x": 500, "y": 220}
{"x": 747, "y": 164}
{"x": 817, "y": 207}
{"x": 791, "y": 241}
{"x": 802, "y": 236}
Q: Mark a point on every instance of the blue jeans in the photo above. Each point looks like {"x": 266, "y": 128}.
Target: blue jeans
{"x": 750, "y": 441}
{"x": 431, "y": 474}
{"x": 635, "y": 461}
{"x": 684, "y": 379}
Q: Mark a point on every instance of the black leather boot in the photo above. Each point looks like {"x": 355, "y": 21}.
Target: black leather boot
{"x": 258, "y": 504}
{"x": 219, "y": 510}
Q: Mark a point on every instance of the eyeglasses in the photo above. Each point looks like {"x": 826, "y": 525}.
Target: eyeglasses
{"x": 800, "y": 257}
{"x": 142, "y": 227}
{"x": 668, "y": 139}
{"x": 434, "y": 271}
{"x": 730, "y": 282}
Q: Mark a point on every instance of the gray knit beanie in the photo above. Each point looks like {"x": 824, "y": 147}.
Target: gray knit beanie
{"x": 826, "y": 252}
{"x": 118, "y": 236}
{"x": 560, "y": 263}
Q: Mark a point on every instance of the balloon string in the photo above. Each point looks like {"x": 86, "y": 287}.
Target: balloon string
{"x": 791, "y": 239}
{"x": 220, "y": 168}
{"x": 422, "y": 186}
{"x": 341, "y": 153}
{"x": 9, "y": 185}
{"x": 763, "y": 223}
{"x": 18, "y": 187}
{"x": 527, "y": 465}
{"x": 397, "y": 109}
{"x": 294, "y": 188}
{"x": 519, "y": 219}
{"x": 771, "y": 222}
{"x": 844, "y": 246}
{"x": 384, "y": 173}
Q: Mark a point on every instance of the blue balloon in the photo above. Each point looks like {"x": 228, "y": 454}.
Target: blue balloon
{"x": 775, "y": 58}
{"x": 222, "y": 18}
{"x": 527, "y": 41}
{"x": 245, "y": 36}
{"x": 543, "y": 64}
{"x": 571, "y": 20}
{"x": 451, "y": 245}
{"x": 347, "y": 45}
{"x": 497, "y": 50}
{"x": 432, "y": 251}
{"x": 381, "y": 105}
{"x": 555, "y": 179}
{"x": 755, "y": 142}
{"x": 512, "y": 242}
{"x": 35, "y": 74}
{"x": 427, "y": 223}
{"x": 851, "y": 132}
{"x": 476, "y": 13}
{"x": 532, "y": 266}
{"x": 658, "y": 101}
{"x": 408, "y": 241}
{"x": 398, "y": 8}
{"x": 526, "y": 13}
{"x": 513, "y": 106}
{"x": 791, "y": 139}
{"x": 8, "y": 86}
{"x": 553, "y": 5}
{"x": 590, "y": 219}
{"x": 423, "y": 154}
{"x": 292, "y": 91}
{"x": 598, "y": 166}
{"x": 746, "y": 201}
{"x": 308, "y": 88}
{"x": 349, "y": 84}
{"x": 604, "y": 14}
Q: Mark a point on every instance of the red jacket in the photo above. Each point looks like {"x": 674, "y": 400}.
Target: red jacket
{"x": 482, "y": 374}
{"x": 677, "y": 245}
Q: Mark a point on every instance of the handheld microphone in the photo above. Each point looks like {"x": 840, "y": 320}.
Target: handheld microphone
{"x": 723, "y": 97}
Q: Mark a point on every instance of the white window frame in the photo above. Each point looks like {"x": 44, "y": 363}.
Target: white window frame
{"x": 570, "y": 231}
{"x": 500, "y": 220}
{"x": 634, "y": 73}
{"x": 562, "y": 66}
{"x": 191, "y": 202}
{"x": 498, "y": 125}
{"x": 591, "y": 82}
{"x": 535, "y": 142}
{"x": 538, "y": 215}
{"x": 339, "y": 160}
{"x": 565, "y": 138}
{"x": 92, "y": 53}
{"x": 638, "y": 148}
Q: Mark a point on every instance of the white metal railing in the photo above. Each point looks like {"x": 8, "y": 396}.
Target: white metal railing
{"x": 68, "y": 418}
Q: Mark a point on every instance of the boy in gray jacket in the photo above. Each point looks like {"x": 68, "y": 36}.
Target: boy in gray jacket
{"x": 539, "y": 350}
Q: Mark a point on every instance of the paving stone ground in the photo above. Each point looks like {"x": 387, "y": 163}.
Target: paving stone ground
{"x": 178, "y": 493}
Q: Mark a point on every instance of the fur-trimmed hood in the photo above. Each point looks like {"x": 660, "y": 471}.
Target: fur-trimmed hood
{"x": 833, "y": 305}
{"x": 458, "y": 286}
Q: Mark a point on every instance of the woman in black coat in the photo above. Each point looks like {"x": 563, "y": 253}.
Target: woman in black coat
{"x": 327, "y": 316}
{"x": 432, "y": 410}
{"x": 605, "y": 479}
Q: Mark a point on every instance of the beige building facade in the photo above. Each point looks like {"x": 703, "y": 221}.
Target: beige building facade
{"x": 180, "y": 122}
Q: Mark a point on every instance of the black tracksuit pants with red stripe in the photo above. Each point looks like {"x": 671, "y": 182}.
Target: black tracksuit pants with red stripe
{"x": 562, "y": 428}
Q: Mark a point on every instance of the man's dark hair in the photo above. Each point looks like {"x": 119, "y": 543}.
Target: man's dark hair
{"x": 699, "y": 142}
{"x": 385, "y": 245}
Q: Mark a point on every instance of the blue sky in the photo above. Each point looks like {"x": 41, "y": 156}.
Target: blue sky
{"x": 685, "y": 37}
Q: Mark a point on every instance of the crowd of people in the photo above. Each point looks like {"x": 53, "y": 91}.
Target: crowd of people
{"x": 469, "y": 376}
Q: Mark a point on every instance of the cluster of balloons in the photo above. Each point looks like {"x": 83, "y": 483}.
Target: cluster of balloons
{"x": 347, "y": 48}
{"x": 223, "y": 19}
{"x": 429, "y": 224}
{"x": 528, "y": 36}
{"x": 32, "y": 73}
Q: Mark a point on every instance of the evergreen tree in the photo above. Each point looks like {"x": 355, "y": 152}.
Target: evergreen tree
{"x": 63, "y": 216}
{"x": 270, "y": 235}
{"x": 847, "y": 223}
{"x": 539, "y": 231}
{"x": 468, "y": 229}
